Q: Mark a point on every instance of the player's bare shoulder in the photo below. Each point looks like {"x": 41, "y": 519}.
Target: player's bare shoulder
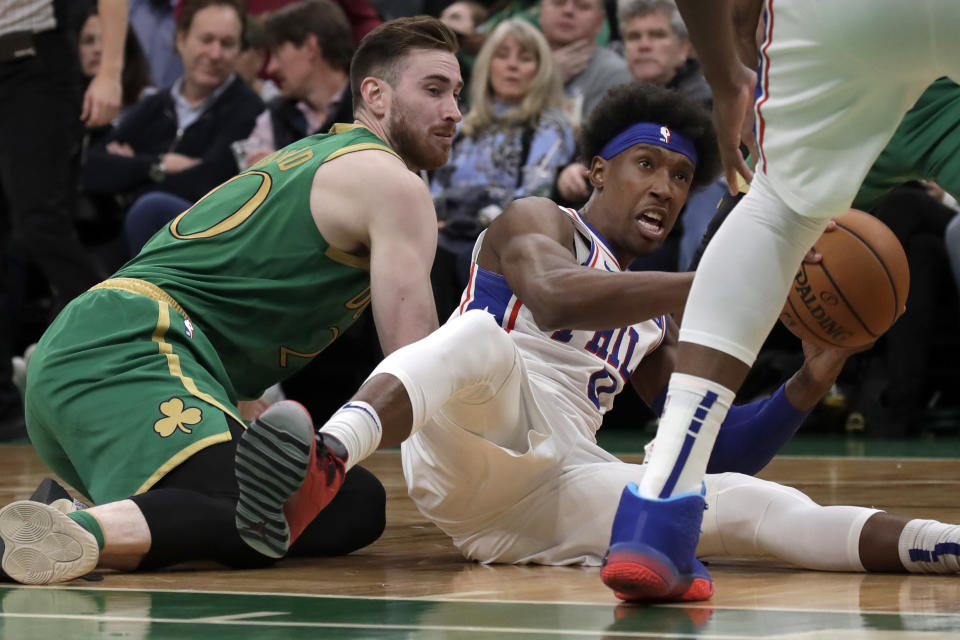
{"x": 357, "y": 190}
{"x": 525, "y": 223}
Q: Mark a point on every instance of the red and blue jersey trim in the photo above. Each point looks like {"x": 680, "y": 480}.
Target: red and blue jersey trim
{"x": 490, "y": 292}
{"x": 763, "y": 85}
{"x": 596, "y": 248}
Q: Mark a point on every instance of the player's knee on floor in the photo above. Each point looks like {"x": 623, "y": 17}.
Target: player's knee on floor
{"x": 208, "y": 533}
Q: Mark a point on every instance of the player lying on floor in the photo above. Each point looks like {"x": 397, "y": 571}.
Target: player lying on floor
{"x": 500, "y": 406}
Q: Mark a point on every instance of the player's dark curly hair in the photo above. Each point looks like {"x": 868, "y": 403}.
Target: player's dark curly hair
{"x": 627, "y": 104}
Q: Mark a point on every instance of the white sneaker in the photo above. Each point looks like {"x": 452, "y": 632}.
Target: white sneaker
{"x": 20, "y": 363}
{"x": 40, "y": 545}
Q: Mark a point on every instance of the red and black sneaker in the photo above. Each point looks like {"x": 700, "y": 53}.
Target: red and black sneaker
{"x": 287, "y": 473}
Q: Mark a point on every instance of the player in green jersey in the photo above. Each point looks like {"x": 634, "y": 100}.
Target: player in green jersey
{"x": 132, "y": 392}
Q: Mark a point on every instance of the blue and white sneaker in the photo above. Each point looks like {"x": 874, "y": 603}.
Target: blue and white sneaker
{"x": 652, "y": 549}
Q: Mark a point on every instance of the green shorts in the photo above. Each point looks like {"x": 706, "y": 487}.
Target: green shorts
{"x": 122, "y": 388}
{"x": 924, "y": 146}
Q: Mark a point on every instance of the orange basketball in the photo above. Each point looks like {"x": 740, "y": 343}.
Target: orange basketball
{"x": 856, "y": 292}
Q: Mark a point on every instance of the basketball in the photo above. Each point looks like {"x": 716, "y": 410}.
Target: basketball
{"x": 856, "y": 292}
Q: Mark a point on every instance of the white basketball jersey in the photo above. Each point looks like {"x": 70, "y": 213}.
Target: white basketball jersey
{"x": 584, "y": 369}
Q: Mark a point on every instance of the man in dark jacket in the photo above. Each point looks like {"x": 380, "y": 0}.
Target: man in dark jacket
{"x": 658, "y": 50}
{"x": 178, "y": 141}
{"x": 310, "y": 46}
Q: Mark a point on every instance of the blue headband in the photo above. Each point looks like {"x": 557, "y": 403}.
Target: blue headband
{"x": 649, "y": 133}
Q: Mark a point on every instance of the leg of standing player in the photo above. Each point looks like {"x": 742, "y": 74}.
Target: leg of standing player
{"x": 823, "y": 118}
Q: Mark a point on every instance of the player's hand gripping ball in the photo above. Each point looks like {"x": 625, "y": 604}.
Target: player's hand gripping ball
{"x": 856, "y": 292}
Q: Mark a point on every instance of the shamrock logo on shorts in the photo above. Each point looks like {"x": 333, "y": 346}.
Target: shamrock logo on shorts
{"x": 176, "y": 418}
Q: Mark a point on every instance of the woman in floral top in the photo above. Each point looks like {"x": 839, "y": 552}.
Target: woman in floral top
{"x": 510, "y": 145}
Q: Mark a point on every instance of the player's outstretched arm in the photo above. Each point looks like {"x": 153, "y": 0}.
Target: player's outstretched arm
{"x": 403, "y": 241}
{"x": 711, "y": 26}
{"x": 367, "y": 203}
{"x": 532, "y": 245}
{"x": 752, "y": 434}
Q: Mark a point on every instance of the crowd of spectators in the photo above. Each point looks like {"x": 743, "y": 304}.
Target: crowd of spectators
{"x": 210, "y": 87}
{"x": 511, "y": 143}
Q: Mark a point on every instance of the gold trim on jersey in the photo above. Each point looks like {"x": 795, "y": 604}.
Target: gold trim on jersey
{"x": 342, "y": 127}
{"x": 287, "y": 351}
{"x": 361, "y": 146}
{"x": 742, "y": 185}
{"x": 236, "y": 218}
{"x": 347, "y": 259}
{"x": 182, "y": 455}
{"x": 173, "y": 361}
{"x": 143, "y": 288}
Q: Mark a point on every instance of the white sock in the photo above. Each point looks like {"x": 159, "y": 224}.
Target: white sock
{"x": 357, "y": 425}
{"x": 928, "y": 546}
{"x": 695, "y": 408}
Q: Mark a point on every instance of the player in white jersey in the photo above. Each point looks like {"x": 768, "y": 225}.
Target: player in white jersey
{"x": 531, "y": 444}
{"x": 501, "y": 404}
{"x": 836, "y": 79}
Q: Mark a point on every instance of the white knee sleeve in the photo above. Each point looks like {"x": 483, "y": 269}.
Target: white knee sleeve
{"x": 468, "y": 358}
{"x": 745, "y": 274}
{"x": 747, "y": 516}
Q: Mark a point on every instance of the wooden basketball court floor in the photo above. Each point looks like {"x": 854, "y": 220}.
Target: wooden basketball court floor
{"x": 412, "y": 583}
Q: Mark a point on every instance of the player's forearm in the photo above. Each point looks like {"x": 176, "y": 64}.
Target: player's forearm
{"x": 746, "y": 18}
{"x": 752, "y": 434}
{"x": 403, "y": 312}
{"x": 710, "y": 24}
{"x": 113, "y": 17}
{"x": 804, "y": 389}
{"x": 595, "y": 300}
{"x": 403, "y": 328}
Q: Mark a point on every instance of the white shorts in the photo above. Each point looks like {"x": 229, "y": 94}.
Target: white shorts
{"x": 836, "y": 79}
{"x": 546, "y": 494}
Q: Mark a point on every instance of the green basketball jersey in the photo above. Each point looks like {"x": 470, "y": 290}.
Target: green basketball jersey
{"x": 924, "y": 146}
{"x": 250, "y": 268}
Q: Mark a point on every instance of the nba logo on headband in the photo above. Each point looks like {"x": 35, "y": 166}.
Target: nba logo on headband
{"x": 650, "y": 133}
